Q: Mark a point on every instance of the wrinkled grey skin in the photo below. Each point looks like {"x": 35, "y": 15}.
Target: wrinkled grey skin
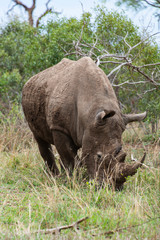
{"x": 73, "y": 105}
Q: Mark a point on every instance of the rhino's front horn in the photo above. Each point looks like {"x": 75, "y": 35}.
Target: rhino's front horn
{"x": 134, "y": 117}
{"x": 136, "y": 165}
{"x": 124, "y": 170}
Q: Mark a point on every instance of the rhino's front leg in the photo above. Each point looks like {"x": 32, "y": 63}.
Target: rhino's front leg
{"x": 66, "y": 149}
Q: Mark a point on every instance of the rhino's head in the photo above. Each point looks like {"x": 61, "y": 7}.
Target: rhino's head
{"x": 102, "y": 147}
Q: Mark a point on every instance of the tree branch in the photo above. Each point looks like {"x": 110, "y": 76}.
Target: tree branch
{"x": 48, "y": 10}
{"x": 42, "y": 15}
{"x": 150, "y": 65}
{"x": 11, "y": 9}
{"x": 30, "y": 10}
{"x": 58, "y": 229}
{"x": 116, "y": 69}
{"x": 146, "y": 76}
{"x": 128, "y": 82}
{"x": 126, "y": 59}
{"x": 21, "y": 4}
{"x": 27, "y": 9}
{"x": 153, "y": 5}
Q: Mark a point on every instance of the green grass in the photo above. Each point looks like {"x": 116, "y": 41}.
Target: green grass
{"x": 31, "y": 199}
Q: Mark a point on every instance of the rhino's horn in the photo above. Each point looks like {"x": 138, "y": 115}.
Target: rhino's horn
{"x": 139, "y": 164}
{"x": 124, "y": 170}
{"x": 134, "y": 117}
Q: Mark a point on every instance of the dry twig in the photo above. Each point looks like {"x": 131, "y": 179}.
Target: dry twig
{"x": 58, "y": 229}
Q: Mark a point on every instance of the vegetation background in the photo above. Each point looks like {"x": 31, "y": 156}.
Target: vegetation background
{"x": 31, "y": 199}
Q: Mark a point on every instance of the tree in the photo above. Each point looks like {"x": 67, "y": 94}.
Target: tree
{"x": 30, "y": 10}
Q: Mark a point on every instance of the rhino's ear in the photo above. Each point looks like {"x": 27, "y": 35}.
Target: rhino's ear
{"x": 103, "y": 115}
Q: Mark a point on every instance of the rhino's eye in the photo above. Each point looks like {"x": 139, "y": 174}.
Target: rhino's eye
{"x": 99, "y": 155}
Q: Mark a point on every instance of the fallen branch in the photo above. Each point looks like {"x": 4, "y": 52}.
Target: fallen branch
{"x": 58, "y": 229}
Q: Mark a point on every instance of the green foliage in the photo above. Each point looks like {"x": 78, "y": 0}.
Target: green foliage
{"x": 152, "y": 103}
{"x": 60, "y": 34}
{"x": 112, "y": 27}
{"x": 25, "y": 51}
{"x": 11, "y": 85}
{"x": 24, "y": 48}
{"x": 152, "y": 137}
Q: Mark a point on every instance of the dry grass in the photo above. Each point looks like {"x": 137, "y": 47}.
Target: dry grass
{"x": 31, "y": 199}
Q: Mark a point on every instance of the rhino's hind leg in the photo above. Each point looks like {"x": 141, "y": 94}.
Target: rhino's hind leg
{"x": 47, "y": 154}
{"x": 66, "y": 149}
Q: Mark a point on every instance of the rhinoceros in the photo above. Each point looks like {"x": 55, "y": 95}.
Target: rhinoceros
{"x": 72, "y": 105}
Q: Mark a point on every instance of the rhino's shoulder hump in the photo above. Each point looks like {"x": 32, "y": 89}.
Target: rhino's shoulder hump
{"x": 86, "y": 60}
